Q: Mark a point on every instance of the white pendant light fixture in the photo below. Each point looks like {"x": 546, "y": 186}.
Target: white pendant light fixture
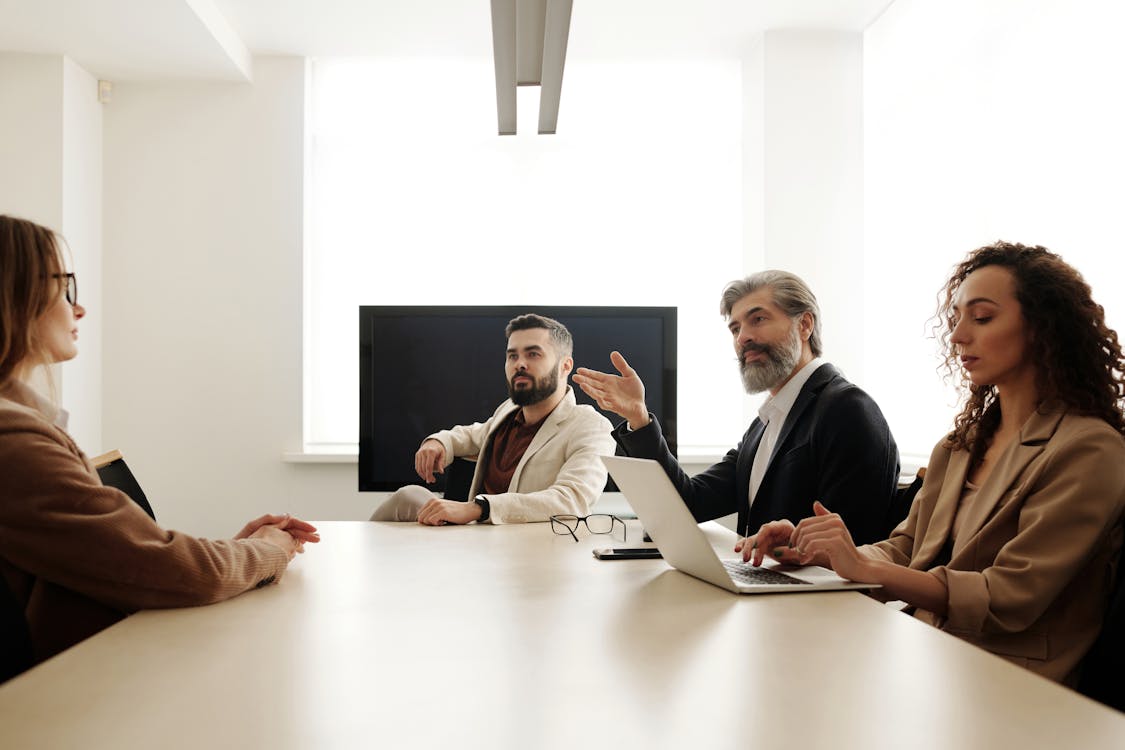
{"x": 529, "y": 46}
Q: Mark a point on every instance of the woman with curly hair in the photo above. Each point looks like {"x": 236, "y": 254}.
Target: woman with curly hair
{"x": 1013, "y": 538}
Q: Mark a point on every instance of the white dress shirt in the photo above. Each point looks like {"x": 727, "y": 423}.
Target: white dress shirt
{"x": 773, "y": 414}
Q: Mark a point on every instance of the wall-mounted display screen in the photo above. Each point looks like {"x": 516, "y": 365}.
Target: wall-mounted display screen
{"x": 424, "y": 369}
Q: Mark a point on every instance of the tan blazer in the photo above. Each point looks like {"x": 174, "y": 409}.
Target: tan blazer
{"x": 559, "y": 473}
{"x": 1030, "y": 573}
{"x": 81, "y": 556}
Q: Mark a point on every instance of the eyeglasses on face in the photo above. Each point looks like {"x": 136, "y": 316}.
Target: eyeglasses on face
{"x": 597, "y": 523}
{"x": 71, "y": 286}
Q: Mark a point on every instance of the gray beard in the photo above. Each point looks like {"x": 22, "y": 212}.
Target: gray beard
{"x": 779, "y": 363}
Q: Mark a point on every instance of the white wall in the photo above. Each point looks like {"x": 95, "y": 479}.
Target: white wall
{"x": 81, "y": 225}
{"x": 31, "y": 155}
{"x": 814, "y": 175}
{"x": 753, "y": 167}
{"x": 203, "y": 228}
{"x": 803, "y": 175}
{"x": 50, "y": 173}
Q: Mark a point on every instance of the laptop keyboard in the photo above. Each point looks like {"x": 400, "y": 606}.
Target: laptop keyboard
{"x": 747, "y": 573}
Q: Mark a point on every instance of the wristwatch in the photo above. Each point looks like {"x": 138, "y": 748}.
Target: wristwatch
{"x": 482, "y": 501}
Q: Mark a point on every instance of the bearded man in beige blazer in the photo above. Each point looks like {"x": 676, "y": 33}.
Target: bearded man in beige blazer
{"x": 536, "y": 456}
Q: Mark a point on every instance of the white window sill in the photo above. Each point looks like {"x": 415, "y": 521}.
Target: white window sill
{"x": 319, "y": 457}
{"x": 695, "y": 459}
{"x": 342, "y": 455}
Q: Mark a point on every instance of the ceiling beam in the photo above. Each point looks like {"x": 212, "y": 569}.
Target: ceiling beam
{"x": 529, "y": 39}
{"x": 504, "y": 52}
{"x": 555, "y": 32}
{"x": 530, "y": 17}
{"x": 224, "y": 35}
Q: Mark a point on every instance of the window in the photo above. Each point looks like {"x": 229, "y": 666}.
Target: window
{"x": 973, "y": 136}
{"x": 412, "y": 198}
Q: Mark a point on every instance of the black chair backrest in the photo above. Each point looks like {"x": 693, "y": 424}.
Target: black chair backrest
{"x": 115, "y": 473}
{"x": 1103, "y": 669}
{"x": 901, "y": 502}
{"x": 16, "y": 654}
{"x": 459, "y": 479}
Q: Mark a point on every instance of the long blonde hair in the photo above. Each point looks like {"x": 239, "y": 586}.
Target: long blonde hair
{"x": 31, "y": 280}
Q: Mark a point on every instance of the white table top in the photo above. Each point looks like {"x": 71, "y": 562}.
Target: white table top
{"x": 397, "y": 635}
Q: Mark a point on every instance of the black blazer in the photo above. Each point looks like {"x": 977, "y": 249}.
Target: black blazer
{"x": 835, "y": 446}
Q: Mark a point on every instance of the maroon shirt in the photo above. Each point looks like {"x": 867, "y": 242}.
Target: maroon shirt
{"x": 509, "y": 443}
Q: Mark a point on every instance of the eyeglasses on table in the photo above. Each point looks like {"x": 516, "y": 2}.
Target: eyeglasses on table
{"x": 596, "y": 523}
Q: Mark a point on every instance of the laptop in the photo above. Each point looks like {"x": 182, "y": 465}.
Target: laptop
{"x": 674, "y": 530}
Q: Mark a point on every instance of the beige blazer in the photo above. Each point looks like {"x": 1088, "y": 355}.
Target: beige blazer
{"x": 1029, "y": 575}
{"x": 80, "y": 556}
{"x": 559, "y": 473}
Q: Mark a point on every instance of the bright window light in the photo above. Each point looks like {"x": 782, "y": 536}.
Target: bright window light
{"x": 412, "y": 198}
{"x": 972, "y": 135}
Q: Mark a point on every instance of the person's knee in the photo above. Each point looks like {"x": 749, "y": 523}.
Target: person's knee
{"x": 403, "y": 505}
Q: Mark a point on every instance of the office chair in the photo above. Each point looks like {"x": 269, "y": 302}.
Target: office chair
{"x": 16, "y": 655}
{"x": 1103, "y": 669}
{"x": 901, "y": 502}
{"x": 114, "y": 472}
{"x": 459, "y": 479}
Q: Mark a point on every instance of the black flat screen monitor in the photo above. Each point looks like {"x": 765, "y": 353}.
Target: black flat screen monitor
{"x": 424, "y": 369}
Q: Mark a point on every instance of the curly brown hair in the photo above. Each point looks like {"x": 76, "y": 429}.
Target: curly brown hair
{"x": 1080, "y": 362}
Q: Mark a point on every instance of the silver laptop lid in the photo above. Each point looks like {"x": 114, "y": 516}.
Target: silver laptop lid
{"x": 667, "y": 520}
{"x": 683, "y": 544}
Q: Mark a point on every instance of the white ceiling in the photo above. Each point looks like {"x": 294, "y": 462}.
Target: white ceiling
{"x": 152, "y": 39}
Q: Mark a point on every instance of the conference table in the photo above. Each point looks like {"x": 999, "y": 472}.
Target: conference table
{"x": 403, "y": 636}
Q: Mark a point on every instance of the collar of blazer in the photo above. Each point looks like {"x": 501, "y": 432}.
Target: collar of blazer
{"x": 549, "y": 429}
{"x": 21, "y": 393}
{"x": 550, "y": 422}
{"x": 812, "y": 388}
{"x": 1001, "y": 482}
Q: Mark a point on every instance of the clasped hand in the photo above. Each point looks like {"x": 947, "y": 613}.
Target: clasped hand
{"x": 283, "y": 531}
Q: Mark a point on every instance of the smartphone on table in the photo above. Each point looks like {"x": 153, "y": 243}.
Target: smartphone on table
{"x": 627, "y": 553}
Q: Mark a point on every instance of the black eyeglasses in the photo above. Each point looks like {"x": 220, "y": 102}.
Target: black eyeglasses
{"x": 71, "y": 287}
{"x": 598, "y": 523}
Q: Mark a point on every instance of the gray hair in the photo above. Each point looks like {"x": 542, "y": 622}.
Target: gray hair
{"x": 790, "y": 293}
{"x": 560, "y": 336}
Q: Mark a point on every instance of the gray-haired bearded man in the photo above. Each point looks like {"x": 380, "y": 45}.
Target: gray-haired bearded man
{"x": 817, "y": 436}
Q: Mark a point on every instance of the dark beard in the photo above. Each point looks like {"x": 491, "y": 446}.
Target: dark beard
{"x": 540, "y": 390}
